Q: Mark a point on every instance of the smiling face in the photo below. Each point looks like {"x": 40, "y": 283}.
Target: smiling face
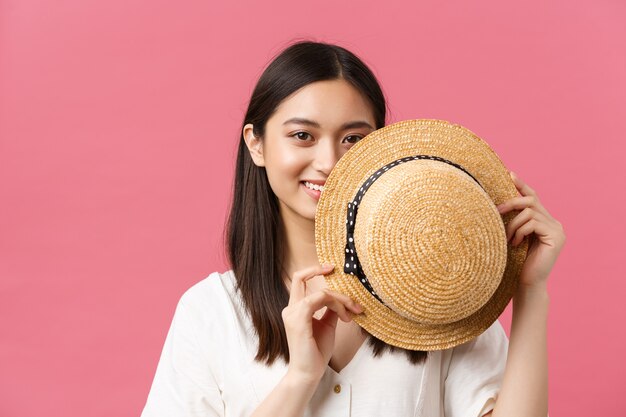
{"x": 305, "y": 137}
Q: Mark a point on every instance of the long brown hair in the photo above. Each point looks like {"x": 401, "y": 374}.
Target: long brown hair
{"x": 254, "y": 233}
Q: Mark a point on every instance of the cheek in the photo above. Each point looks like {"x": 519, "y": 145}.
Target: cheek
{"x": 284, "y": 168}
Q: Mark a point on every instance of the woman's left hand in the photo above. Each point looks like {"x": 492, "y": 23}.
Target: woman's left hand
{"x": 547, "y": 237}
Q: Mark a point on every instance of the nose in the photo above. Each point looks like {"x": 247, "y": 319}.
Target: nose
{"x": 326, "y": 156}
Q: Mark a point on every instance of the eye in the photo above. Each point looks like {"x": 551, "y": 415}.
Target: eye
{"x": 301, "y": 135}
{"x": 355, "y": 138}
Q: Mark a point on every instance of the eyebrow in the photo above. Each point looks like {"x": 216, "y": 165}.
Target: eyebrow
{"x": 348, "y": 125}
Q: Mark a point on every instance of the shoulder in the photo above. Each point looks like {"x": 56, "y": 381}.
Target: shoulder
{"x": 212, "y": 299}
{"x": 494, "y": 336}
{"x": 487, "y": 350}
{"x": 212, "y": 288}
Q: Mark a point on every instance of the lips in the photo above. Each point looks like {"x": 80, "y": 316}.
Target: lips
{"x": 313, "y": 193}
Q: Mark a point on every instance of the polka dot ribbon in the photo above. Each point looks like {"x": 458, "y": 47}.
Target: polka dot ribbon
{"x": 352, "y": 265}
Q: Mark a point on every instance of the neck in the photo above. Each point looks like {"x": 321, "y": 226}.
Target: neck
{"x": 299, "y": 237}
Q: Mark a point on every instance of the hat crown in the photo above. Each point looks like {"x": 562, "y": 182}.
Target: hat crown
{"x": 404, "y": 140}
{"x": 431, "y": 242}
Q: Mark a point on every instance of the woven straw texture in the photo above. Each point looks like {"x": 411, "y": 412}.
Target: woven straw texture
{"x": 429, "y": 239}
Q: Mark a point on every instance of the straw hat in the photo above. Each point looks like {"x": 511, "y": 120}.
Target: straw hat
{"x": 408, "y": 217}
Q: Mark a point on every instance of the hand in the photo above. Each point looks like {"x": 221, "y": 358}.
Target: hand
{"x": 311, "y": 341}
{"x": 545, "y": 232}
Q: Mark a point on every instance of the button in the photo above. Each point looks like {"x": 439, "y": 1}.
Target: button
{"x": 337, "y": 389}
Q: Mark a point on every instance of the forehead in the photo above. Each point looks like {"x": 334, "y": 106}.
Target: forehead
{"x": 330, "y": 103}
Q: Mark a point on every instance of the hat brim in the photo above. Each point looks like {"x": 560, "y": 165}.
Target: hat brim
{"x": 407, "y": 138}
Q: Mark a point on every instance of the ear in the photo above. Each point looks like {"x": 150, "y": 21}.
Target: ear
{"x": 254, "y": 144}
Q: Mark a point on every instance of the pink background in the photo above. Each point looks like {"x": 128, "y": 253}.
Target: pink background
{"x": 118, "y": 129}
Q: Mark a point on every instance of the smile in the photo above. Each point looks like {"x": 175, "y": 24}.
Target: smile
{"x": 313, "y": 186}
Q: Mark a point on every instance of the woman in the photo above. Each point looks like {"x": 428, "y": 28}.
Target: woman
{"x": 267, "y": 338}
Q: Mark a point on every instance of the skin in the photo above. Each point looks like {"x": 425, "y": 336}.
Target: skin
{"x": 318, "y": 322}
{"x": 291, "y": 153}
{"x": 310, "y": 154}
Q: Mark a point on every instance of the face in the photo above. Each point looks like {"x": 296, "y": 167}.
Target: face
{"x": 305, "y": 137}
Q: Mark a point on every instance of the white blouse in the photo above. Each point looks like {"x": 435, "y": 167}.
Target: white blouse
{"x": 207, "y": 368}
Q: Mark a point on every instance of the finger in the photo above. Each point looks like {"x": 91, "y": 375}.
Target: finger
{"x": 311, "y": 303}
{"x": 515, "y": 203}
{"x": 543, "y": 231}
{"x": 521, "y": 186}
{"x": 520, "y": 203}
{"x": 517, "y": 221}
{"x": 523, "y": 217}
{"x": 347, "y": 301}
{"x": 523, "y": 231}
{"x": 298, "y": 283}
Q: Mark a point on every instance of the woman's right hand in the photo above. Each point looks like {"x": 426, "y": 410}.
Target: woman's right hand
{"x": 311, "y": 340}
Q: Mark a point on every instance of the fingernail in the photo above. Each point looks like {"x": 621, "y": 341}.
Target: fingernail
{"x": 358, "y": 306}
{"x": 328, "y": 266}
{"x": 512, "y": 174}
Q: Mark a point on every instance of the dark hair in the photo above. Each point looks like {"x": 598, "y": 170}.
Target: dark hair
{"x": 254, "y": 230}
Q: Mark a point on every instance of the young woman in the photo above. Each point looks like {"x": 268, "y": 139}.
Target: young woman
{"x": 267, "y": 338}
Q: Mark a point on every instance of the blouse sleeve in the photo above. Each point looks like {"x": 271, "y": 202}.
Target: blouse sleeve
{"x": 183, "y": 384}
{"x": 475, "y": 374}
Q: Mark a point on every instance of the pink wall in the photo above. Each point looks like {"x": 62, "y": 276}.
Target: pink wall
{"x": 118, "y": 122}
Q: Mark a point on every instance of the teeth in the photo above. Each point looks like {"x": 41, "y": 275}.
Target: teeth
{"x": 314, "y": 186}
